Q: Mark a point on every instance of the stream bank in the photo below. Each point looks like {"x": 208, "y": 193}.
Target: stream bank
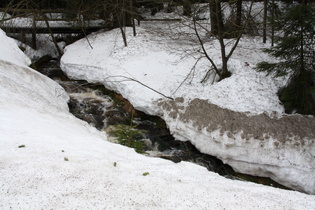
{"x": 103, "y": 109}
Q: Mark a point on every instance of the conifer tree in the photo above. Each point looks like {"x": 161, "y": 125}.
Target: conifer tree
{"x": 295, "y": 51}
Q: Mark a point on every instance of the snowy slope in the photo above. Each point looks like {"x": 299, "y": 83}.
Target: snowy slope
{"x": 51, "y": 160}
{"x": 38, "y": 177}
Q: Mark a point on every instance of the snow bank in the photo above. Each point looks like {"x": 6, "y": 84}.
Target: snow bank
{"x": 10, "y": 51}
{"x": 46, "y": 95}
{"x": 282, "y": 149}
{"x": 166, "y": 62}
{"x": 51, "y": 160}
{"x": 10, "y": 74}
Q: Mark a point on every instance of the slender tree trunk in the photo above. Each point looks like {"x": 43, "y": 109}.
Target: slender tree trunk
{"x": 187, "y": 8}
{"x": 265, "y": 21}
{"x": 34, "y": 45}
{"x": 238, "y": 21}
{"x": 52, "y": 36}
{"x": 221, "y": 33}
{"x": 23, "y": 37}
{"x": 122, "y": 22}
{"x": 213, "y": 21}
{"x": 123, "y": 33}
{"x": 302, "y": 61}
{"x": 216, "y": 18}
{"x": 225, "y": 72}
{"x": 272, "y": 24}
{"x": 132, "y": 18}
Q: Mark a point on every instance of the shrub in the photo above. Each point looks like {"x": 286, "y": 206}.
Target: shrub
{"x": 129, "y": 136}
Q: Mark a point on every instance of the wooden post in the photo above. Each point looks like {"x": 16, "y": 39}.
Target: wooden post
{"x": 22, "y": 36}
{"x": 34, "y": 45}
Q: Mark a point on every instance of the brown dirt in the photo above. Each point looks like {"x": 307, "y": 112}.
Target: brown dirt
{"x": 297, "y": 129}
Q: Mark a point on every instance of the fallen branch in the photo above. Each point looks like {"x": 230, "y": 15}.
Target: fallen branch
{"x": 134, "y": 80}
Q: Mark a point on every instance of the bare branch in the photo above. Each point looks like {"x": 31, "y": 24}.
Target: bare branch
{"x": 204, "y": 50}
{"x": 192, "y": 71}
{"x": 134, "y": 80}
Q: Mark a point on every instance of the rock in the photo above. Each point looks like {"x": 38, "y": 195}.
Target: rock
{"x": 280, "y": 148}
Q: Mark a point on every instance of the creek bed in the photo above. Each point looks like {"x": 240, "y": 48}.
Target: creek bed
{"x": 104, "y": 109}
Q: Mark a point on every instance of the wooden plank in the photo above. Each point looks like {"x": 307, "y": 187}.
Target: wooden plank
{"x": 35, "y": 10}
{"x": 55, "y": 30}
{"x": 57, "y": 19}
{"x": 166, "y": 19}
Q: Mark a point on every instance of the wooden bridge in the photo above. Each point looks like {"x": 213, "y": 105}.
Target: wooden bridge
{"x": 48, "y": 21}
{"x": 39, "y": 22}
{"x": 54, "y": 30}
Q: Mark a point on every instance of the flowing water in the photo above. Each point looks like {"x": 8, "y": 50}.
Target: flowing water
{"x": 104, "y": 109}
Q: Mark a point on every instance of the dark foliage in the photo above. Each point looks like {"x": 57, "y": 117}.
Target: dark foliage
{"x": 295, "y": 50}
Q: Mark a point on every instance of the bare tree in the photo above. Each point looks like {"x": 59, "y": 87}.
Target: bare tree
{"x": 218, "y": 31}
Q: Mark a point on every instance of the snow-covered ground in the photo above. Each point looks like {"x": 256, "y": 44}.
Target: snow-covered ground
{"x": 162, "y": 60}
{"x": 51, "y": 160}
{"x": 160, "y": 63}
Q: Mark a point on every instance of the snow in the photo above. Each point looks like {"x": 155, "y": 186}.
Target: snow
{"x": 160, "y": 63}
{"x": 38, "y": 177}
{"x": 150, "y": 58}
{"x": 45, "y": 46}
{"x": 51, "y": 160}
{"x": 281, "y": 149}
{"x": 12, "y": 54}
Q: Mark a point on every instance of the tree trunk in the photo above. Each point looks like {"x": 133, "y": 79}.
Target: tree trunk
{"x": 238, "y": 20}
{"x": 216, "y": 18}
{"x": 132, "y": 18}
{"x": 272, "y": 24}
{"x": 34, "y": 45}
{"x": 265, "y": 21}
{"x": 52, "y": 36}
{"x": 225, "y": 72}
{"x": 187, "y": 8}
{"x": 122, "y": 23}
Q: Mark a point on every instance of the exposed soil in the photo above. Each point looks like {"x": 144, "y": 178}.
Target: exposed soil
{"x": 297, "y": 129}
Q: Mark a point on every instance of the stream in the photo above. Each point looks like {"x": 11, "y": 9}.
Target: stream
{"x": 105, "y": 109}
